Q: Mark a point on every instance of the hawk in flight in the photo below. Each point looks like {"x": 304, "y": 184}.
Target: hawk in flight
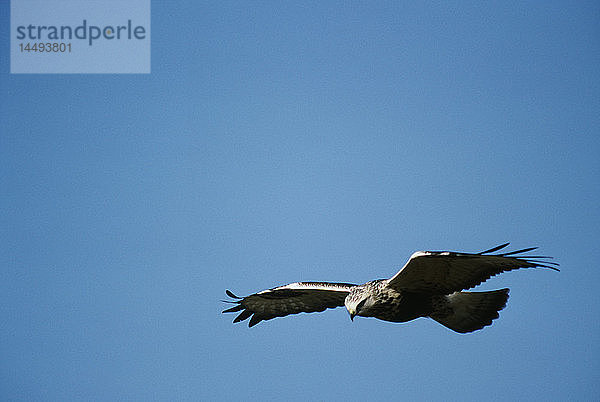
{"x": 431, "y": 285}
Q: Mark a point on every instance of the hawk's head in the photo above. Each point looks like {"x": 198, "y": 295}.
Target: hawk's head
{"x": 358, "y": 301}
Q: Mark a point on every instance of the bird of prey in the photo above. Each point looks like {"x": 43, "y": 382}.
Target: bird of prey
{"x": 431, "y": 284}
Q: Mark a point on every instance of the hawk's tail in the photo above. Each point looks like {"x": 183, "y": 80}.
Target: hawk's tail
{"x": 469, "y": 311}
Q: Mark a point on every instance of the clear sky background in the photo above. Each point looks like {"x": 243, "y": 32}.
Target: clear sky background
{"x": 274, "y": 143}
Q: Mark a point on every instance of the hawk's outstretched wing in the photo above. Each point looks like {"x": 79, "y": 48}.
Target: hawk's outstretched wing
{"x": 299, "y": 297}
{"x": 445, "y": 272}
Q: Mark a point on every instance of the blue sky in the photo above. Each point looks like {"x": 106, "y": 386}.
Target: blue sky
{"x": 274, "y": 143}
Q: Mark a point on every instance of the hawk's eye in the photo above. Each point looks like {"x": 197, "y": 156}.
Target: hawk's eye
{"x": 360, "y": 305}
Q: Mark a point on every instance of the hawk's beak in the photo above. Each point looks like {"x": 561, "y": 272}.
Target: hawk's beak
{"x": 352, "y": 314}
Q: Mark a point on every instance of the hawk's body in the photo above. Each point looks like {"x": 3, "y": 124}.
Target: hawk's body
{"x": 392, "y": 305}
{"x": 431, "y": 285}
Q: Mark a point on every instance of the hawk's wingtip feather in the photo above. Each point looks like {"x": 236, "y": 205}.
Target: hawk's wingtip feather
{"x": 500, "y": 247}
{"x": 230, "y": 294}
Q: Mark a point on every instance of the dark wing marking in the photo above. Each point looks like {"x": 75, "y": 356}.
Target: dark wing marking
{"x": 299, "y": 297}
{"x": 445, "y": 272}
